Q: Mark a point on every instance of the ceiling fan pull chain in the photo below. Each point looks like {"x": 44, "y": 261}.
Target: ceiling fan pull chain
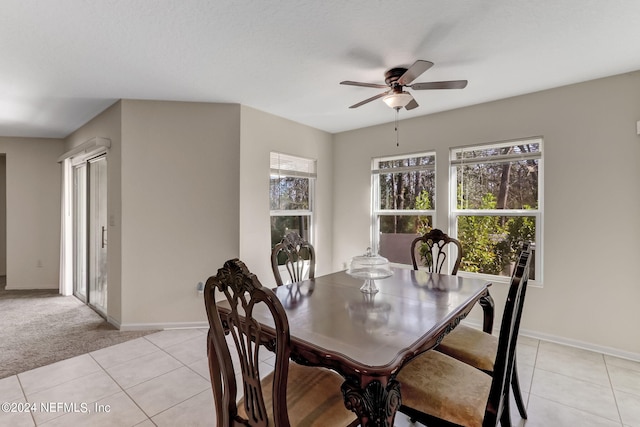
{"x": 397, "y": 131}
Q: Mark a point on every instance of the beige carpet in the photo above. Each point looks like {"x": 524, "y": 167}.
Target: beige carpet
{"x": 41, "y": 327}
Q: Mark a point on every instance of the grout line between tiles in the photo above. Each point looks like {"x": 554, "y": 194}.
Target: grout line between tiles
{"x": 533, "y": 373}
{"x": 179, "y": 403}
{"x": 579, "y": 410}
{"x": 124, "y": 391}
{"x": 208, "y": 378}
{"x": 613, "y": 391}
{"x": 153, "y": 378}
{"x": 25, "y": 398}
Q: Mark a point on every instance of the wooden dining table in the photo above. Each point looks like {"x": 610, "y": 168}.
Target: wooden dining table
{"x": 367, "y": 338}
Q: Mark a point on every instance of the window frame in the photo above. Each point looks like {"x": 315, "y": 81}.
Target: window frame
{"x": 538, "y": 213}
{"x": 376, "y": 212}
{"x": 310, "y": 174}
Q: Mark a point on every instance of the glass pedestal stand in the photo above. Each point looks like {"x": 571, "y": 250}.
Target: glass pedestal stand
{"x": 369, "y": 267}
{"x": 369, "y": 287}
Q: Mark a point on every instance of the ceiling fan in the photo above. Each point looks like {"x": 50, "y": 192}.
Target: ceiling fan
{"x": 398, "y": 78}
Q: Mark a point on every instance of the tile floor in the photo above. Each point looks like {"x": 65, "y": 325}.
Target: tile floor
{"x": 162, "y": 380}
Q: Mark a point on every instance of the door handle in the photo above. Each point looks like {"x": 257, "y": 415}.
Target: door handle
{"x": 104, "y": 241}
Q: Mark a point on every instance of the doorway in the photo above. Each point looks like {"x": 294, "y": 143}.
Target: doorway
{"x": 90, "y": 232}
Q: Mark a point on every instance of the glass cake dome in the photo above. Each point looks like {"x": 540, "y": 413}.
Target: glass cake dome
{"x": 369, "y": 267}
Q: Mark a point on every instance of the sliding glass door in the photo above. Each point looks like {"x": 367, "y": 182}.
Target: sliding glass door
{"x": 90, "y": 232}
{"x": 98, "y": 233}
{"x": 80, "y": 272}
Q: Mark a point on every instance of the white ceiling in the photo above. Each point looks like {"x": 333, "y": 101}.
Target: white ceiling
{"x": 62, "y": 62}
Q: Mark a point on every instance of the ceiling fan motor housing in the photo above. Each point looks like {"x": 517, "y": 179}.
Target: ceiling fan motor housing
{"x": 391, "y": 78}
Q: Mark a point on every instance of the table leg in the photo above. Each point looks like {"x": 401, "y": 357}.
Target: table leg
{"x": 486, "y": 302}
{"x": 375, "y": 403}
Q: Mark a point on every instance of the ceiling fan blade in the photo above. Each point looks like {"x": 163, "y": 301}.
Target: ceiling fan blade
{"x": 376, "y": 85}
{"x": 412, "y": 104}
{"x": 373, "y": 98}
{"x": 452, "y": 84}
{"x": 414, "y": 71}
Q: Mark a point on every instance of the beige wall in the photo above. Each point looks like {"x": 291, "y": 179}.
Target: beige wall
{"x": 33, "y": 211}
{"x": 262, "y": 133}
{"x": 180, "y": 206}
{"x": 590, "y": 293}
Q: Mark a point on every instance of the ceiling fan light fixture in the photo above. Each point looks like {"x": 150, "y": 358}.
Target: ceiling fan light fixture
{"x": 397, "y": 100}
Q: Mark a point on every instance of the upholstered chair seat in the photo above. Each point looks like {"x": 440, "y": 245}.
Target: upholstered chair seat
{"x": 445, "y": 388}
{"x": 471, "y": 346}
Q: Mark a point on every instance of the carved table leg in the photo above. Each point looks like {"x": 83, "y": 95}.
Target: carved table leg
{"x": 375, "y": 404}
{"x": 486, "y": 302}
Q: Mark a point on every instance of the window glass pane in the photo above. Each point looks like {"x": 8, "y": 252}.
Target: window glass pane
{"x": 407, "y": 190}
{"x": 501, "y": 185}
{"x": 289, "y": 193}
{"x": 408, "y": 185}
{"x": 397, "y": 232}
{"x": 411, "y": 224}
{"x": 405, "y": 183}
{"x": 492, "y": 243}
{"x": 281, "y": 225}
{"x": 500, "y": 176}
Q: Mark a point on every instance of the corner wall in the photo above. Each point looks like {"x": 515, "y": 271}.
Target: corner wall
{"x": 591, "y": 200}
{"x": 262, "y": 133}
{"x": 180, "y": 206}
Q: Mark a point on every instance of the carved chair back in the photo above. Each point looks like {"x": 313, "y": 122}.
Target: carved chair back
{"x": 243, "y": 292}
{"x": 432, "y": 251}
{"x": 298, "y": 257}
{"x": 497, "y": 405}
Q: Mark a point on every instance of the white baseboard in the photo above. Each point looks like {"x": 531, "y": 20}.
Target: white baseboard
{"x": 582, "y": 344}
{"x": 162, "y": 326}
{"x": 113, "y": 322}
{"x": 569, "y": 342}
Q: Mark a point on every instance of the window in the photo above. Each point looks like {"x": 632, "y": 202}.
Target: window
{"x": 498, "y": 204}
{"x": 403, "y": 202}
{"x": 291, "y": 194}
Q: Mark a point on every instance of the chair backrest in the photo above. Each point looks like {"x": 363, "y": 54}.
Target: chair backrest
{"x": 505, "y": 355}
{"x": 432, "y": 251}
{"x": 298, "y": 257}
{"x": 235, "y": 285}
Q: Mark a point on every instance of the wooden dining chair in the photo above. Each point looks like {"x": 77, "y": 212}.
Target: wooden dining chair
{"x": 478, "y": 349}
{"x": 432, "y": 251}
{"x": 298, "y": 257}
{"x": 438, "y": 390}
{"x": 290, "y": 395}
